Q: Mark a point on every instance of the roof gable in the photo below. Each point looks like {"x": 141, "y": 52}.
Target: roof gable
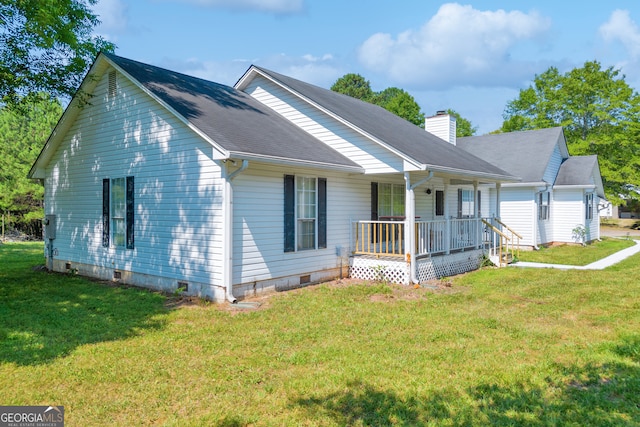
{"x": 233, "y": 122}
{"x": 525, "y": 154}
{"x": 232, "y": 119}
{"x": 407, "y": 140}
{"x": 581, "y": 171}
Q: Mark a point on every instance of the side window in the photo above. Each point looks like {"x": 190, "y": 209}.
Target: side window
{"x": 118, "y": 214}
{"x": 544, "y": 199}
{"x": 305, "y": 213}
{"x": 588, "y": 204}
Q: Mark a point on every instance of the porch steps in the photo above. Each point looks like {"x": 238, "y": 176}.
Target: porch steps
{"x": 507, "y": 258}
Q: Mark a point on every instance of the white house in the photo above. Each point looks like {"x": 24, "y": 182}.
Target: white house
{"x": 557, "y": 198}
{"x": 164, "y": 180}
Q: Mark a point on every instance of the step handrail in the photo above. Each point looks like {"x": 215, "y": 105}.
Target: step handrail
{"x": 502, "y": 236}
{"x": 508, "y": 228}
{"x": 513, "y": 233}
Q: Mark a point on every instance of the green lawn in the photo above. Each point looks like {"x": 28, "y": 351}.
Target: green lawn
{"x": 496, "y": 347}
{"x": 576, "y": 254}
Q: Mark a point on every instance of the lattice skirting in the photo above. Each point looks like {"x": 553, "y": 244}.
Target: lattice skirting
{"x": 371, "y": 268}
{"x": 448, "y": 265}
{"x": 397, "y": 270}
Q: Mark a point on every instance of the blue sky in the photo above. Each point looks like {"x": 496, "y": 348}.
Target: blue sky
{"x": 471, "y": 56}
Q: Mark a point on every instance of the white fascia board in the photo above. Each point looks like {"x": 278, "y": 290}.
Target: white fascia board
{"x": 243, "y": 82}
{"x": 525, "y": 184}
{"x": 290, "y": 162}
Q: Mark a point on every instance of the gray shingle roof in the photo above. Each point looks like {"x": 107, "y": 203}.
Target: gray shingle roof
{"x": 234, "y": 120}
{"x": 577, "y": 170}
{"x": 407, "y": 138}
{"x": 525, "y": 154}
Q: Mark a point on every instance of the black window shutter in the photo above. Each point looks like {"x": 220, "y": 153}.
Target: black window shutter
{"x": 130, "y": 211}
{"x": 479, "y": 204}
{"x": 105, "y": 212}
{"x": 289, "y": 213}
{"x": 322, "y": 212}
{"x": 459, "y": 203}
{"x": 374, "y": 201}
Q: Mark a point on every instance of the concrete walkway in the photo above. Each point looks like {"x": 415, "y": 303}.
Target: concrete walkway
{"x": 598, "y": 265}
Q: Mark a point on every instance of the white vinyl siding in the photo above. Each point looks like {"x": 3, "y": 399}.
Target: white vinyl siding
{"x": 551, "y": 172}
{"x": 568, "y": 213}
{"x": 258, "y": 233}
{"x": 178, "y": 190}
{"x": 342, "y": 138}
{"x": 518, "y": 211}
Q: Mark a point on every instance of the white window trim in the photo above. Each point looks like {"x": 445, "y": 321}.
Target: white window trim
{"x": 298, "y": 219}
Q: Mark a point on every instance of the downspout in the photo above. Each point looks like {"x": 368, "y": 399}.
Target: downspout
{"x": 411, "y": 222}
{"x": 227, "y": 272}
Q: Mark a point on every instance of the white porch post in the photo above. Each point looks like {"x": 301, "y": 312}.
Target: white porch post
{"x": 447, "y": 228}
{"x": 498, "y": 188}
{"x": 476, "y": 214}
{"x": 410, "y": 226}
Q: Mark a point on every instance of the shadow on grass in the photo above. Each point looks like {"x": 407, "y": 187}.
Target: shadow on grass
{"x": 604, "y": 395}
{"x": 44, "y": 316}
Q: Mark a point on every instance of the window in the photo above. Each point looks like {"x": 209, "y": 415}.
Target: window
{"x": 588, "y": 204}
{"x": 391, "y": 200}
{"x": 465, "y": 203}
{"x": 305, "y": 213}
{"x": 439, "y": 203}
{"x": 118, "y": 212}
{"x": 544, "y": 199}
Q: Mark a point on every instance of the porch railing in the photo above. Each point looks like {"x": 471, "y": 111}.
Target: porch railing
{"x": 386, "y": 238}
{"x": 504, "y": 242}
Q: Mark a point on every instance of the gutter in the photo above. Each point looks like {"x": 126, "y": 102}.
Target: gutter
{"x": 228, "y": 230}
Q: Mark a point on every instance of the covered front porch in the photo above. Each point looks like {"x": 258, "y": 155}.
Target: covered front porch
{"x": 442, "y": 248}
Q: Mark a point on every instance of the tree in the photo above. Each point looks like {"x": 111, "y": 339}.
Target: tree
{"x": 463, "y": 126}
{"x": 46, "y": 46}
{"x": 23, "y": 131}
{"x": 400, "y": 103}
{"x": 392, "y": 99}
{"x": 355, "y": 86}
{"x": 600, "y": 114}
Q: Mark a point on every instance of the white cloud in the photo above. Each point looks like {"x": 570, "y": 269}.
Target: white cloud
{"x": 458, "y": 46}
{"x": 620, "y": 27}
{"x": 271, "y": 6}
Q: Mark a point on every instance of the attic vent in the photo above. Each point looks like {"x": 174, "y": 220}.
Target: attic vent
{"x": 112, "y": 84}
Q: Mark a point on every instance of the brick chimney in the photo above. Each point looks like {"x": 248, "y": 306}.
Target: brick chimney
{"x": 442, "y": 125}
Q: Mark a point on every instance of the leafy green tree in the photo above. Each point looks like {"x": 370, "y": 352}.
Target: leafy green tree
{"x": 464, "y": 127}
{"x": 355, "y": 86}
{"x": 400, "y": 103}
{"x": 599, "y": 112}
{"x": 393, "y": 99}
{"x": 46, "y": 46}
{"x": 23, "y": 132}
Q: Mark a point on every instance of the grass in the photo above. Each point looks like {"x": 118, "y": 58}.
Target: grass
{"x": 576, "y": 254}
{"x": 498, "y": 347}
